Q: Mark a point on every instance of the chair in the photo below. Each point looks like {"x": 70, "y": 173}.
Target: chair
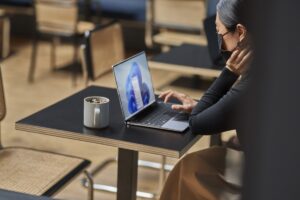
{"x": 36, "y": 172}
{"x": 57, "y": 19}
{"x": 174, "y": 22}
{"x": 4, "y": 35}
{"x": 103, "y": 47}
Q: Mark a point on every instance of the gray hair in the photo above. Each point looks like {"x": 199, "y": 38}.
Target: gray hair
{"x": 231, "y": 13}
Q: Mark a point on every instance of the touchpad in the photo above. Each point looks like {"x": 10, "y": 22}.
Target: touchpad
{"x": 184, "y": 117}
{"x": 177, "y": 125}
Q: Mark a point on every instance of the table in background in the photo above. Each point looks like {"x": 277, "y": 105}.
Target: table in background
{"x": 10, "y": 195}
{"x": 65, "y": 119}
{"x": 186, "y": 59}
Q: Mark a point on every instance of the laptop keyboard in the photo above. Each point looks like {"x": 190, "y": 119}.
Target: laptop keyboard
{"x": 160, "y": 116}
{"x": 160, "y": 119}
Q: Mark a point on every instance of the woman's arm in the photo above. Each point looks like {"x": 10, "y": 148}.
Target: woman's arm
{"x": 216, "y": 111}
{"x": 217, "y": 90}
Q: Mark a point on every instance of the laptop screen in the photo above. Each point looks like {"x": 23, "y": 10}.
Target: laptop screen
{"x": 134, "y": 84}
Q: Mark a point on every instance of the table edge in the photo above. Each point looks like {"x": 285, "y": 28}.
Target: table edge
{"x": 106, "y": 141}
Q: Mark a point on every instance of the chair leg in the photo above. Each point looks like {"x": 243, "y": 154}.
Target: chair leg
{"x": 141, "y": 163}
{"x": 33, "y": 61}
{"x": 90, "y": 185}
{"x": 149, "y": 24}
{"x": 75, "y": 61}
{"x": 162, "y": 174}
{"x": 54, "y": 43}
{"x": 216, "y": 139}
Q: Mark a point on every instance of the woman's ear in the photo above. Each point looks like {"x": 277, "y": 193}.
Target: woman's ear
{"x": 242, "y": 31}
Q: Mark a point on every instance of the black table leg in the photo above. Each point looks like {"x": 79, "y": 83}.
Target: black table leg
{"x": 127, "y": 174}
{"x": 216, "y": 139}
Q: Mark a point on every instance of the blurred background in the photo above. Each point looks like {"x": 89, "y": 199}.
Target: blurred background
{"x": 46, "y": 48}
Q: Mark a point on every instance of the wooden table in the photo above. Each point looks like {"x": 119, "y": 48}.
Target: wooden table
{"x": 65, "y": 119}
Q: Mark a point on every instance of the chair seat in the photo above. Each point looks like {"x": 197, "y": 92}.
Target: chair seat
{"x": 84, "y": 26}
{"x": 177, "y": 39}
{"x": 36, "y": 172}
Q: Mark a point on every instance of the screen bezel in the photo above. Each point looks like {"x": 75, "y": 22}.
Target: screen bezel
{"x": 120, "y": 100}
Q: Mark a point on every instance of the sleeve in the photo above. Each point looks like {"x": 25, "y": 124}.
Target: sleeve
{"x": 214, "y": 112}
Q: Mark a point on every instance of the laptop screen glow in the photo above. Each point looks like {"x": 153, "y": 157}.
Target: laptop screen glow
{"x": 134, "y": 84}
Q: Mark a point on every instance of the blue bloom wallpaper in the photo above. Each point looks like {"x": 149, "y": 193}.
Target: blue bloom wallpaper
{"x": 137, "y": 91}
{"x": 134, "y": 84}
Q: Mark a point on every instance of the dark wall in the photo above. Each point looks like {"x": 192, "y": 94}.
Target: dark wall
{"x": 273, "y": 159}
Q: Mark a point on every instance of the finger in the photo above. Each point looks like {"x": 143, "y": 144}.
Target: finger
{"x": 181, "y": 97}
{"x": 178, "y": 107}
{"x": 183, "y": 108}
{"x": 245, "y": 62}
{"x": 163, "y": 94}
{"x": 241, "y": 55}
{"x": 246, "y": 59}
{"x": 168, "y": 96}
{"x": 233, "y": 57}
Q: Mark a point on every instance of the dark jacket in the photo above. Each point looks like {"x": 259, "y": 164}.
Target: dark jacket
{"x": 218, "y": 109}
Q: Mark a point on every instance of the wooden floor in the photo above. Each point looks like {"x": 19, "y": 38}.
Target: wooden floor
{"x": 49, "y": 87}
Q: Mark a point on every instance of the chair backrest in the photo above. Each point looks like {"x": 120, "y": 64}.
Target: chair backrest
{"x": 179, "y": 14}
{"x": 2, "y": 99}
{"x": 103, "y": 48}
{"x": 56, "y": 16}
{"x": 2, "y": 104}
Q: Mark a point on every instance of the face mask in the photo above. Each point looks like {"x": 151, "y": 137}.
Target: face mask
{"x": 225, "y": 53}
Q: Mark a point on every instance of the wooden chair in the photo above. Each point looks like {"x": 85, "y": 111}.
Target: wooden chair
{"x": 4, "y": 35}
{"x": 174, "y": 22}
{"x": 57, "y": 19}
{"x": 103, "y": 47}
{"x": 36, "y": 172}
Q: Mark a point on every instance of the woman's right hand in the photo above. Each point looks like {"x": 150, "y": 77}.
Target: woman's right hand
{"x": 187, "y": 102}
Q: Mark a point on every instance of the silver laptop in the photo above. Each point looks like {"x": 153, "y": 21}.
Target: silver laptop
{"x": 137, "y": 98}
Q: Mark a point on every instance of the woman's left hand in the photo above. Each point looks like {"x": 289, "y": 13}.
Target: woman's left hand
{"x": 239, "y": 61}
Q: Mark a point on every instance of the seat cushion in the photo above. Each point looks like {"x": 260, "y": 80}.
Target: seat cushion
{"x": 176, "y": 39}
{"x": 36, "y": 172}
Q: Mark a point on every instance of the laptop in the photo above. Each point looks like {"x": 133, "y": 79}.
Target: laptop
{"x": 137, "y": 98}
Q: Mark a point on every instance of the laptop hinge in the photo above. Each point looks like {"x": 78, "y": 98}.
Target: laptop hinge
{"x": 126, "y": 121}
{"x": 127, "y": 124}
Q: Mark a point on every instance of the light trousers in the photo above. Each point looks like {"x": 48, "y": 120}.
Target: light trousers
{"x": 211, "y": 174}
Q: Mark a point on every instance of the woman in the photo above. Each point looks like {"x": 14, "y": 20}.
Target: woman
{"x": 214, "y": 173}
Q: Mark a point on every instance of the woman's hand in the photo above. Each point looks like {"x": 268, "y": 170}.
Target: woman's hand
{"x": 239, "y": 61}
{"x": 187, "y": 102}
